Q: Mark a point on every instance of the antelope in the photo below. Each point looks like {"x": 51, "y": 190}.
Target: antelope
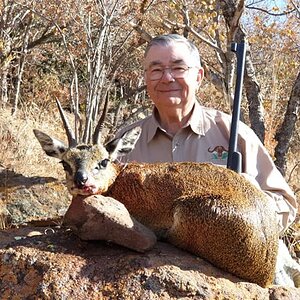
{"x": 205, "y": 209}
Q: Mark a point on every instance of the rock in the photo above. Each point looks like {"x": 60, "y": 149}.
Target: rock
{"x": 25, "y": 199}
{"x": 103, "y": 218}
{"x": 54, "y": 263}
{"x": 58, "y": 265}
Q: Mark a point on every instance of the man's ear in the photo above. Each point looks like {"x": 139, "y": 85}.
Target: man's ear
{"x": 51, "y": 146}
{"x": 124, "y": 144}
{"x": 200, "y": 75}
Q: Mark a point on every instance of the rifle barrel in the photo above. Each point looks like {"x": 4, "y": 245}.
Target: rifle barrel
{"x": 234, "y": 157}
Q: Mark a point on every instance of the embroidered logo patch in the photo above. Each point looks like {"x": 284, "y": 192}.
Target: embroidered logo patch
{"x": 219, "y": 152}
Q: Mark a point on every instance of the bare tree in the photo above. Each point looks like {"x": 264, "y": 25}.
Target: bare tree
{"x": 10, "y": 22}
{"x": 19, "y": 34}
{"x": 104, "y": 48}
{"x": 286, "y": 130}
{"x": 21, "y": 64}
{"x": 231, "y": 9}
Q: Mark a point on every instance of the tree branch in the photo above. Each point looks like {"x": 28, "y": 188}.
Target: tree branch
{"x": 144, "y": 34}
{"x": 270, "y": 13}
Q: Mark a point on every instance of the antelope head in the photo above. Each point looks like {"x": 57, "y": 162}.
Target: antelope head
{"x": 89, "y": 168}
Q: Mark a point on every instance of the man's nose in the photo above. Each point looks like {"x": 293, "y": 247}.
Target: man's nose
{"x": 167, "y": 75}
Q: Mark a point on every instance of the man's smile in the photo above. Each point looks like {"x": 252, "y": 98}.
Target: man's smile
{"x": 169, "y": 90}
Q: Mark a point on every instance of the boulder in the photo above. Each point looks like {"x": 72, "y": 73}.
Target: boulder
{"x": 25, "y": 199}
{"x": 53, "y": 263}
{"x": 98, "y": 217}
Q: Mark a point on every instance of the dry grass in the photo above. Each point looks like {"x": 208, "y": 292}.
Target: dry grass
{"x": 20, "y": 151}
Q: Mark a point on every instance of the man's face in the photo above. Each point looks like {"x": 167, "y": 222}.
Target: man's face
{"x": 168, "y": 91}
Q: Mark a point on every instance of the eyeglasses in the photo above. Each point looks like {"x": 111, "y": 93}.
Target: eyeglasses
{"x": 156, "y": 72}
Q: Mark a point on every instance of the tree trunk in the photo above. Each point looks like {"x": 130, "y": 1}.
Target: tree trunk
{"x": 256, "y": 111}
{"x": 4, "y": 86}
{"x": 285, "y": 132}
{"x": 18, "y": 84}
{"x": 232, "y": 11}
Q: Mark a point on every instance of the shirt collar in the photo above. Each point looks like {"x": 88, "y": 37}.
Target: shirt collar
{"x": 153, "y": 125}
{"x": 196, "y": 122}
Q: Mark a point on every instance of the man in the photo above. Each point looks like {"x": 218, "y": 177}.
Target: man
{"x": 179, "y": 129}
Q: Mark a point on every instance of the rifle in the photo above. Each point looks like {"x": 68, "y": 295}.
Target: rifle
{"x": 234, "y": 161}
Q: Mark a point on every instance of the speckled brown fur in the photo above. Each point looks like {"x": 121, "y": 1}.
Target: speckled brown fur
{"x": 208, "y": 210}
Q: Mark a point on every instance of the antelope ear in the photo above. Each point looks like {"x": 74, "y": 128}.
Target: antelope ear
{"x": 124, "y": 144}
{"x": 51, "y": 146}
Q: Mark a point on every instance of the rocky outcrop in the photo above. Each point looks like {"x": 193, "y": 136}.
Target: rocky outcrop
{"x": 53, "y": 263}
{"x": 24, "y": 199}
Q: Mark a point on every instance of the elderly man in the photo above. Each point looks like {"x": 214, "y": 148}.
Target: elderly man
{"x": 180, "y": 129}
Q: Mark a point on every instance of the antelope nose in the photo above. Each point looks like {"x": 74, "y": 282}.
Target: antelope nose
{"x": 80, "y": 178}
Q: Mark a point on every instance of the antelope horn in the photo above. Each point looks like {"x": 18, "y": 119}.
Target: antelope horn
{"x": 70, "y": 134}
{"x": 209, "y": 150}
{"x": 100, "y": 124}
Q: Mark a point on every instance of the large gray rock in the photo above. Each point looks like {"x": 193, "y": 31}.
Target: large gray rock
{"x": 25, "y": 199}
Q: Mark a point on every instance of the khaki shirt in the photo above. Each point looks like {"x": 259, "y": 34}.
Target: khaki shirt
{"x": 205, "y": 138}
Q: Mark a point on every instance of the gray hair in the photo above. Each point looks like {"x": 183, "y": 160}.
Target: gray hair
{"x": 167, "y": 39}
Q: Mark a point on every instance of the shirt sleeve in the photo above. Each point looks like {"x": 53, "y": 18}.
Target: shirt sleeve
{"x": 259, "y": 164}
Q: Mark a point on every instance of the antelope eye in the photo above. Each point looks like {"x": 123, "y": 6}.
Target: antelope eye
{"x": 103, "y": 163}
{"x": 66, "y": 167}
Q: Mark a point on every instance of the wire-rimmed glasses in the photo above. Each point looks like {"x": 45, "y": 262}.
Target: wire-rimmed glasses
{"x": 157, "y": 72}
